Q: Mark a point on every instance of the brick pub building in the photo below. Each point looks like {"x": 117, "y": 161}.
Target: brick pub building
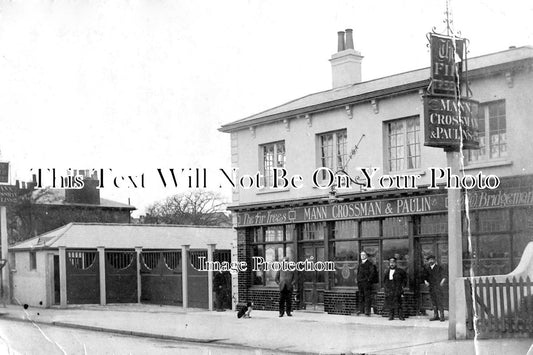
{"x": 321, "y": 130}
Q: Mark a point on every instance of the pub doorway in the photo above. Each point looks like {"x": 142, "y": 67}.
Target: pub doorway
{"x": 314, "y": 282}
{"x": 425, "y": 246}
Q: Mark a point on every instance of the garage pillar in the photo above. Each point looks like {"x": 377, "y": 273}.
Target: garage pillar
{"x": 63, "y": 277}
{"x": 210, "y": 251}
{"x": 184, "y": 275}
{"x": 101, "y": 259}
{"x": 138, "y": 250}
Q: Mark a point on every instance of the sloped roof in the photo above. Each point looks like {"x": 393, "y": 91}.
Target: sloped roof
{"x": 129, "y": 236}
{"x": 57, "y": 197}
{"x": 374, "y": 88}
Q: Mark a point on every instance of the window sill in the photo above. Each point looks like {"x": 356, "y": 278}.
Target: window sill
{"x": 488, "y": 164}
{"x": 420, "y": 172}
{"x": 271, "y": 191}
{"x": 259, "y": 287}
{"x": 339, "y": 289}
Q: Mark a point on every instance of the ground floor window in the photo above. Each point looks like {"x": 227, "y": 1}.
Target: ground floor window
{"x": 271, "y": 243}
{"x": 497, "y": 240}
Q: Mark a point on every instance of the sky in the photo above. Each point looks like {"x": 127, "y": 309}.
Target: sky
{"x": 134, "y": 86}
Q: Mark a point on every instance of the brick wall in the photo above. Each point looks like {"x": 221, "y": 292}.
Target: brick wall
{"x": 347, "y": 303}
{"x": 268, "y": 299}
{"x": 243, "y": 254}
{"x": 344, "y": 302}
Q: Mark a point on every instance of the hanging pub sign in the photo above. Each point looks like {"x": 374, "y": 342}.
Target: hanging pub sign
{"x": 4, "y": 172}
{"x": 451, "y": 121}
{"x": 447, "y": 56}
{"x": 8, "y": 194}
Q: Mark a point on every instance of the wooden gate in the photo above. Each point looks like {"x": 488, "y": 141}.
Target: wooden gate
{"x": 198, "y": 291}
{"x": 121, "y": 276}
{"x": 161, "y": 277}
{"x": 83, "y": 278}
{"x": 499, "y": 309}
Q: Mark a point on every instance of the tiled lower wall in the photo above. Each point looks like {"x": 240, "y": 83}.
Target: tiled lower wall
{"x": 335, "y": 302}
{"x": 268, "y": 299}
{"x": 346, "y": 302}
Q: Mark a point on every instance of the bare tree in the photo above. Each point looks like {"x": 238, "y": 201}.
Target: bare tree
{"x": 25, "y": 214}
{"x": 195, "y": 207}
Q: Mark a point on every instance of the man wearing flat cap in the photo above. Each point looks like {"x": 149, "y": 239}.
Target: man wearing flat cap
{"x": 435, "y": 277}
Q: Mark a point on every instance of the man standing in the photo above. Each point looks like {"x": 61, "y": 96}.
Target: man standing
{"x": 394, "y": 281}
{"x": 286, "y": 280}
{"x": 219, "y": 284}
{"x": 435, "y": 277}
{"x": 366, "y": 275}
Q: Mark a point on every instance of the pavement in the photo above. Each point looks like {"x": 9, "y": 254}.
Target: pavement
{"x": 305, "y": 332}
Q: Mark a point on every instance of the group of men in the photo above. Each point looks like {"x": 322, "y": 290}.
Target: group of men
{"x": 394, "y": 281}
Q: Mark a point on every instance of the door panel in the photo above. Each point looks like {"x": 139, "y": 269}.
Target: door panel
{"x": 314, "y": 282}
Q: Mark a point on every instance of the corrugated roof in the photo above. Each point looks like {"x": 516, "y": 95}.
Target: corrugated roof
{"x": 359, "y": 90}
{"x": 128, "y": 236}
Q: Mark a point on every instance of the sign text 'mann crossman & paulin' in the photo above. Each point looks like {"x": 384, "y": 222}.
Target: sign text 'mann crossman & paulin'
{"x": 322, "y": 178}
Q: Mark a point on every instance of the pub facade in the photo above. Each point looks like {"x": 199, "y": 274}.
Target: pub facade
{"x": 377, "y": 126}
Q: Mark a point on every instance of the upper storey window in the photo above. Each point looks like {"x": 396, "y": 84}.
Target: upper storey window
{"x": 492, "y": 133}
{"x": 333, "y": 146}
{"x": 273, "y": 157}
{"x": 403, "y": 138}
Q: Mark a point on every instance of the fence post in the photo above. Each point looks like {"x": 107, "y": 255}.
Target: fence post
{"x": 508, "y": 320}
{"x": 210, "y": 250}
{"x": 138, "y": 251}
{"x": 101, "y": 260}
{"x": 495, "y": 324}
{"x": 184, "y": 275}
{"x": 63, "y": 277}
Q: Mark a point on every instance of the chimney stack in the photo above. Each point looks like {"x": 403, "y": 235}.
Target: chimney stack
{"x": 340, "y": 42}
{"x": 346, "y": 63}
{"x": 349, "y": 38}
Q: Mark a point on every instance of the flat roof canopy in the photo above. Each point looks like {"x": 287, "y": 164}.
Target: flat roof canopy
{"x": 129, "y": 236}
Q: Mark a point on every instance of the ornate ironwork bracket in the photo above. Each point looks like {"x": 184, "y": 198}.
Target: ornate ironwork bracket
{"x": 287, "y": 124}
{"x": 375, "y": 105}
{"x": 509, "y": 78}
{"x": 349, "y": 112}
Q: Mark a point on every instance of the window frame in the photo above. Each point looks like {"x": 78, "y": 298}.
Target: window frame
{"x": 260, "y": 233}
{"x": 417, "y": 156}
{"x": 268, "y": 172}
{"x": 338, "y": 156}
{"x": 485, "y": 145}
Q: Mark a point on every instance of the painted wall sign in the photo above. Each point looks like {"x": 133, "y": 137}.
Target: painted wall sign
{"x": 448, "y": 121}
{"x": 437, "y": 203}
{"x": 8, "y": 194}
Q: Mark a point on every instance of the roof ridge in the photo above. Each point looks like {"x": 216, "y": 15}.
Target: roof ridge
{"x": 265, "y": 114}
{"x": 144, "y": 225}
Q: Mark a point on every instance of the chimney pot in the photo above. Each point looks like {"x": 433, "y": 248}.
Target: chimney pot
{"x": 349, "y": 38}
{"x": 341, "y": 44}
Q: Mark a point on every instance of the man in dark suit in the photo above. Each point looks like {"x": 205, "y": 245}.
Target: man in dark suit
{"x": 286, "y": 280}
{"x": 394, "y": 280}
{"x": 366, "y": 274}
{"x": 219, "y": 285}
{"x": 435, "y": 277}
